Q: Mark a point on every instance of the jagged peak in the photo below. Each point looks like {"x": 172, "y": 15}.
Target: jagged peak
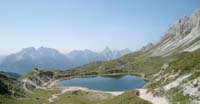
{"x": 126, "y": 49}
{"x": 29, "y": 49}
{"x": 183, "y": 19}
{"x": 40, "y": 49}
{"x": 181, "y": 35}
{"x": 180, "y": 29}
{"x": 45, "y": 48}
{"x": 196, "y": 17}
{"x": 184, "y": 25}
{"x": 107, "y": 49}
{"x": 147, "y": 47}
{"x": 196, "y": 13}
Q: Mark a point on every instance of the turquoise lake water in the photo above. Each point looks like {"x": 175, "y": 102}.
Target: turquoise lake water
{"x": 114, "y": 83}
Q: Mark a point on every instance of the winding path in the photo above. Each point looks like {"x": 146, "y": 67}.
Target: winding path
{"x": 69, "y": 89}
{"x": 143, "y": 95}
{"x": 149, "y": 97}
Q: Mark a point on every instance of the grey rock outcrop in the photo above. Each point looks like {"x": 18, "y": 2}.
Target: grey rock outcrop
{"x": 184, "y": 35}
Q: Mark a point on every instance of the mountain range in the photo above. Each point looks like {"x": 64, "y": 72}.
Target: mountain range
{"x": 47, "y": 58}
{"x": 2, "y": 57}
{"x": 171, "y": 66}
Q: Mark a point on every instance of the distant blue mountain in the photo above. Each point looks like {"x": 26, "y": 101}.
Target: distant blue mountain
{"x": 14, "y": 75}
{"x": 51, "y": 59}
{"x": 2, "y": 57}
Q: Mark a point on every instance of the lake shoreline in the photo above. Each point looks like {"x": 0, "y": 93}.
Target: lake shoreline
{"x": 143, "y": 92}
{"x": 54, "y": 82}
{"x": 74, "y": 89}
{"x": 117, "y": 82}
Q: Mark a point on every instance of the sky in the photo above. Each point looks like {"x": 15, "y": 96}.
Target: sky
{"x": 87, "y": 24}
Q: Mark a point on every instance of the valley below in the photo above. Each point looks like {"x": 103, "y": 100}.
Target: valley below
{"x": 167, "y": 72}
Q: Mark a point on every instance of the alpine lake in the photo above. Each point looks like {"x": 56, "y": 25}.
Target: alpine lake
{"x": 106, "y": 83}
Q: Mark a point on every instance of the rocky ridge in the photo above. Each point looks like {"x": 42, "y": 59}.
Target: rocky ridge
{"x": 47, "y": 58}
{"x": 184, "y": 35}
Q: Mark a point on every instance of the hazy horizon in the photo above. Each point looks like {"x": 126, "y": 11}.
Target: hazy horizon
{"x": 98, "y": 51}
{"x": 89, "y": 24}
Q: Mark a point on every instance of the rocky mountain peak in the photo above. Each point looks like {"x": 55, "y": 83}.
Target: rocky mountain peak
{"x": 180, "y": 29}
{"x": 29, "y": 49}
{"x": 48, "y": 58}
{"x": 196, "y": 17}
{"x": 147, "y": 47}
{"x": 107, "y": 50}
{"x": 184, "y": 35}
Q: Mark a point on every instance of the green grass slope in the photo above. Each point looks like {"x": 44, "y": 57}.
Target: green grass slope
{"x": 136, "y": 63}
{"x": 185, "y": 63}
